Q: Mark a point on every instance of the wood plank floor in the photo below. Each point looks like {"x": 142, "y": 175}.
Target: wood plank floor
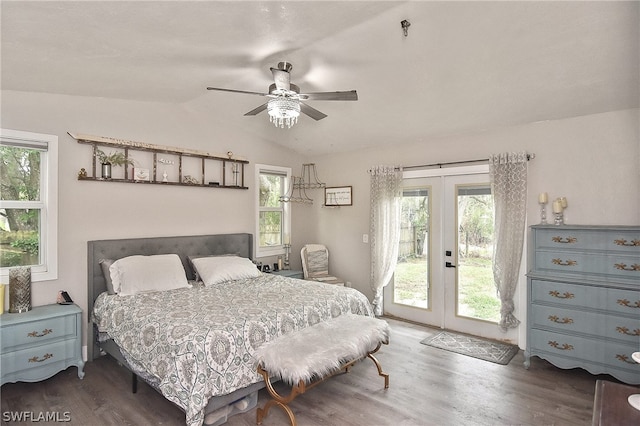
{"x": 428, "y": 386}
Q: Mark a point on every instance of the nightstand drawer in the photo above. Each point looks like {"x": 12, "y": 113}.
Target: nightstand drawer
{"x": 38, "y": 358}
{"x": 37, "y": 332}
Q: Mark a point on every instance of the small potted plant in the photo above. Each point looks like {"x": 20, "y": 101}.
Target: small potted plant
{"x": 113, "y": 159}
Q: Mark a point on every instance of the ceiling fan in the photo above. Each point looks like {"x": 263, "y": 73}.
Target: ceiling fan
{"x": 285, "y": 103}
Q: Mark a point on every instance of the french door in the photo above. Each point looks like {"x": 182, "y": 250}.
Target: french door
{"x": 444, "y": 275}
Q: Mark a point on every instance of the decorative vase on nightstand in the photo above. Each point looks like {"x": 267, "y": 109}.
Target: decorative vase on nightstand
{"x": 19, "y": 289}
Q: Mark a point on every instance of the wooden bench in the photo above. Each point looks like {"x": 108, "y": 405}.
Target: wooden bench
{"x": 307, "y": 357}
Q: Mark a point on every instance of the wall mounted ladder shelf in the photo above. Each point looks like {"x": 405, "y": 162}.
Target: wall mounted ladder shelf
{"x": 230, "y": 172}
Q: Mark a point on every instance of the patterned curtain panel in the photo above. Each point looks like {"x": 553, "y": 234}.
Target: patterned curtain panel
{"x": 508, "y": 172}
{"x": 386, "y": 197}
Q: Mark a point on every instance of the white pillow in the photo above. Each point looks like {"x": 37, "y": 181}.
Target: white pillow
{"x": 137, "y": 274}
{"x": 213, "y": 270}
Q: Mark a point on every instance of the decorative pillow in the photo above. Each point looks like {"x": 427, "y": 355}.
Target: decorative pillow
{"x": 138, "y": 274}
{"x": 217, "y": 269}
{"x": 105, "y": 264}
{"x": 317, "y": 263}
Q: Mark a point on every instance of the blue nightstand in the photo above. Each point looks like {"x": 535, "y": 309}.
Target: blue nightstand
{"x": 290, "y": 273}
{"x": 37, "y": 344}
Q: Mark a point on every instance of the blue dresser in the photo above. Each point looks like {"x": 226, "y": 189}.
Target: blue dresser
{"x": 39, "y": 343}
{"x": 583, "y": 292}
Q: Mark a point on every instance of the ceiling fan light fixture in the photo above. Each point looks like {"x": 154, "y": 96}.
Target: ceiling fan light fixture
{"x": 283, "y": 111}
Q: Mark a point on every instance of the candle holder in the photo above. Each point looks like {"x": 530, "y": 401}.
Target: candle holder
{"x": 287, "y": 249}
{"x": 543, "y": 213}
{"x": 559, "y": 219}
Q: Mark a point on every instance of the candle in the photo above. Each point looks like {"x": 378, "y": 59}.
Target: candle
{"x": 557, "y": 206}
{"x": 563, "y": 201}
{"x": 287, "y": 239}
{"x": 543, "y": 198}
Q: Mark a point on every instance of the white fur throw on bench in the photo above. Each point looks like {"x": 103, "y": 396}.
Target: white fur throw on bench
{"x": 322, "y": 349}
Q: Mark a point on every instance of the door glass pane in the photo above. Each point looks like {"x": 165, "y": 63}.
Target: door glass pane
{"x": 476, "y": 292}
{"x": 19, "y": 237}
{"x": 411, "y": 278}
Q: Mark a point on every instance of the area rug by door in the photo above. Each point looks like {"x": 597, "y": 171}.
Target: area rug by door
{"x": 476, "y": 347}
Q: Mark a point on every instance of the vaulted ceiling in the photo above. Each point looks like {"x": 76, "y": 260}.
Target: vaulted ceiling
{"x": 463, "y": 67}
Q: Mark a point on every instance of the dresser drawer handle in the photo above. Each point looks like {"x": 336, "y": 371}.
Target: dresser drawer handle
{"x": 564, "y": 263}
{"x": 563, "y": 347}
{"x": 44, "y": 358}
{"x": 625, "y": 302}
{"x": 625, "y": 358}
{"x": 625, "y": 330}
{"x": 561, "y": 240}
{"x": 565, "y": 295}
{"x": 623, "y": 242}
{"x": 44, "y": 333}
{"x": 556, "y": 319}
{"x": 623, "y": 267}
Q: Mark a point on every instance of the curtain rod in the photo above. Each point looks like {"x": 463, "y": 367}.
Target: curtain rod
{"x": 452, "y": 163}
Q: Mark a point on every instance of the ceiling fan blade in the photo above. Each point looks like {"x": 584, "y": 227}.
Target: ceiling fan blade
{"x": 350, "y": 95}
{"x": 237, "y": 91}
{"x": 311, "y": 112}
{"x": 282, "y": 79}
{"x": 257, "y": 110}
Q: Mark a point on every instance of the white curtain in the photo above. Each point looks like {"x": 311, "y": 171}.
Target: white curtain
{"x": 508, "y": 173}
{"x": 386, "y": 197}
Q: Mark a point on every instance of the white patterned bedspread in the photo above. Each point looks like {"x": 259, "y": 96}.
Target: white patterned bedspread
{"x": 197, "y": 343}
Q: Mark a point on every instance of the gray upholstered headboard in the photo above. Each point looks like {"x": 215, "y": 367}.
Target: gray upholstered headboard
{"x": 240, "y": 244}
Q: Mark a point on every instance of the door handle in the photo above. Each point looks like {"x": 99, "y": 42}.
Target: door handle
{"x": 449, "y": 265}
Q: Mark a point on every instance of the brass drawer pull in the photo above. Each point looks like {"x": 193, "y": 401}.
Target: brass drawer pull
{"x": 565, "y": 295}
{"x": 556, "y": 319}
{"x": 568, "y": 240}
{"x": 623, "y": 242}
{"x": 625, "y": 330}
{"x": 625, "y": 358}
{"x": 625, "y": 302}
{"x": 44, "y": 333}
{"x": 563, "y": 347}
{"x": 44, "y": 358}
{"x": 623, "y": 267}
{"x": 564, "y": 263}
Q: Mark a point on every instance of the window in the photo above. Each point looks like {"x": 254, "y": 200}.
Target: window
{"x": 28, "y": 203}
{"x": 273, "y": 223}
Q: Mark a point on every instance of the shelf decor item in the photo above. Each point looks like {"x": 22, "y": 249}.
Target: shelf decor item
{"x": 19, "y": 289}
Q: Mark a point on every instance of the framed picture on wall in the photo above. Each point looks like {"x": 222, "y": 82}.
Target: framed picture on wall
{"x": 338, "y": 196}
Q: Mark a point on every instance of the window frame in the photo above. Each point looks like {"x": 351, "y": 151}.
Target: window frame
{"x": 48, "y": 203}
{"x": 286, "y": 210}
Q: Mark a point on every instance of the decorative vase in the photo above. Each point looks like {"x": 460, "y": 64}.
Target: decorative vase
{"x": 19, "y": 289}
{"x": 106, "y": 171}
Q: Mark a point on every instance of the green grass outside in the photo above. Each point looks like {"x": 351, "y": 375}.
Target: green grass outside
{"x": 477, "y": 295}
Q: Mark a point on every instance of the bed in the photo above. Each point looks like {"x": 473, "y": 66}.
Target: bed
{"x": 195, "y": 343}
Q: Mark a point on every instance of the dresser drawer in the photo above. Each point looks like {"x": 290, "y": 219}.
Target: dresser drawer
{"x": 618, "y": 265}
{"x": 586, "y": 323}
{"x": 607, "y": 353}
{"x": 38, "y": 331}
{"x": 625, "y": 302}
{"x": 564, "y": 238}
